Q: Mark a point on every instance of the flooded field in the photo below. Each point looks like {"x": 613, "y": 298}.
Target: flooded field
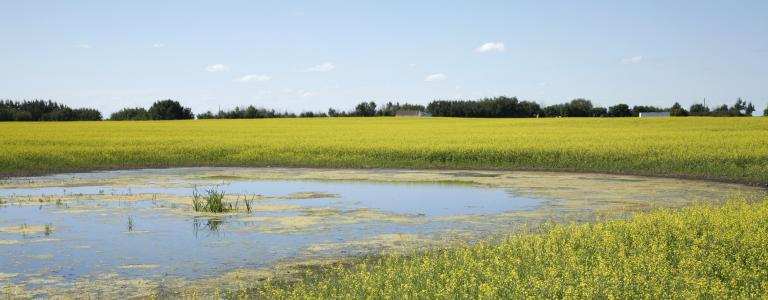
{"x": 136, "y": 233}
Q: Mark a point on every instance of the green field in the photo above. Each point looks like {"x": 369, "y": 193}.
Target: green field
{"x": 718, "y": 148}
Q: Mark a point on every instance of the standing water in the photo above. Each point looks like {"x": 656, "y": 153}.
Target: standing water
{"x": 85, "y": 232}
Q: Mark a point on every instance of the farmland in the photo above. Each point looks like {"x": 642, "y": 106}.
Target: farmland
{"x": 630, "y": 236}
{"x": 715, "y": 148}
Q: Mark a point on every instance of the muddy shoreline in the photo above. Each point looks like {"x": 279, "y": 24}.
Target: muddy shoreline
{"x": 715, "y": 179}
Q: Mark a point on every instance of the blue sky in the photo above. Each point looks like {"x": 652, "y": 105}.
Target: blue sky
{"x": 311, "y": 55}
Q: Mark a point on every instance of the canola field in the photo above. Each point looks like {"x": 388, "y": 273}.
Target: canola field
{"x": 701, "y": 252}
{"x": 717, "y": 148}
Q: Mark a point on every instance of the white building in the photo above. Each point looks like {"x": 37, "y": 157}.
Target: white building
{"x": 654, "y": 114}
{"x": 412, "y": 113}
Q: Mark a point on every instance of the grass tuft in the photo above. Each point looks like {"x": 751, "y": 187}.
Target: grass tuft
{"x": 210, "y": 200}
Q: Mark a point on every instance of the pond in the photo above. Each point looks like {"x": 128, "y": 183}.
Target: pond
{"x": 123, "y": 233}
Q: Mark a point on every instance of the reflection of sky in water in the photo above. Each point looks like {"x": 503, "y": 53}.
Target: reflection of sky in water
{"x": 97, "y": 240}
{"x": 419, "y": 198}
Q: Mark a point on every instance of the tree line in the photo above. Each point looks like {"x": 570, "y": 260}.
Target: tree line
{"x": 160, "y": 110}
{"x": 497, "y": 107}
{"x": 41, "y": 110}
{"x": 506, "y": 107}
{"x": 364, "y": 109}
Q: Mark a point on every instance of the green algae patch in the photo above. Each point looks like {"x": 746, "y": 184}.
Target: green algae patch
{"x": 41, "y": 256}
{"x": 25, "y": 229}
{"x": 139, "y": 266}
{"x": 275, "y": 207}
{"x": 323, "y": 219}
{"x": 306, "y": 195}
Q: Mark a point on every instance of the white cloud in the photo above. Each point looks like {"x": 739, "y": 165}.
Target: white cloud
{"x": 436, "y": 77}
{"x": 412, "y": 65}
{"x": 253, "y": 77}
{"x": 158, "y": 45}
{"x": 491, "y": 47}
{"x": 326, "y": 67}
{"x": 308, "y": 94}
{"x": 217, "y": 68}
{"x": 632, "y": 60}
{"x": 84, "y": 46}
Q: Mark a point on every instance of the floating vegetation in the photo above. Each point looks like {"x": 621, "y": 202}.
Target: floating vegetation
{"x": 139, "y": 266}
{"x": 211, "y": 200}
{"x": 26, "y": 229}
{"x": 48, "y": 229}
{"x": 308, "y": 195}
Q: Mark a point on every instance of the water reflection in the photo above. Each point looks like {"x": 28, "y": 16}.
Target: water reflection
{"x": 211, "y": 226}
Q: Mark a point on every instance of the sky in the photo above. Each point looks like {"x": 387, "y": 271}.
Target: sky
{"x": 312, "y": 55}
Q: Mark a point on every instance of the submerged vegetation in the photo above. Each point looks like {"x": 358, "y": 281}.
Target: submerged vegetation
{"x": 699, "y": 252}
{"x": 723, "y": 148}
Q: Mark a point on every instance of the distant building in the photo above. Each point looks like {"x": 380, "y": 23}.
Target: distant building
{"x": 654, "y": 114}
{"x": 412, "y": 113}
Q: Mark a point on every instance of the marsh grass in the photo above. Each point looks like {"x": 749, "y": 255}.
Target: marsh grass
{"x": 248, "y": 202}
{"x": 210, "y": 200}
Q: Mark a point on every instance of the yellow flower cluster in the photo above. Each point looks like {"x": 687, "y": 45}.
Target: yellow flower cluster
{"x": 700, "y": 252}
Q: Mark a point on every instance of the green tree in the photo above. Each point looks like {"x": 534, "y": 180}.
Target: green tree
{"x": 619, "y": 110}
{"x": 23, "y": 115}
{"x": 750, "y": 109}
{"x": 678, "y": 111}
{"x": 579, "y": 108}
{"x": 6, "y": 114}
{"x": 740, "y": 105}
{"x": 599, "y": 112}
{"x": 365, "y": 109}
{"x": 698, "y": 109}
{"x": 169, "y": 110}
{"x": 130, "y": 114}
